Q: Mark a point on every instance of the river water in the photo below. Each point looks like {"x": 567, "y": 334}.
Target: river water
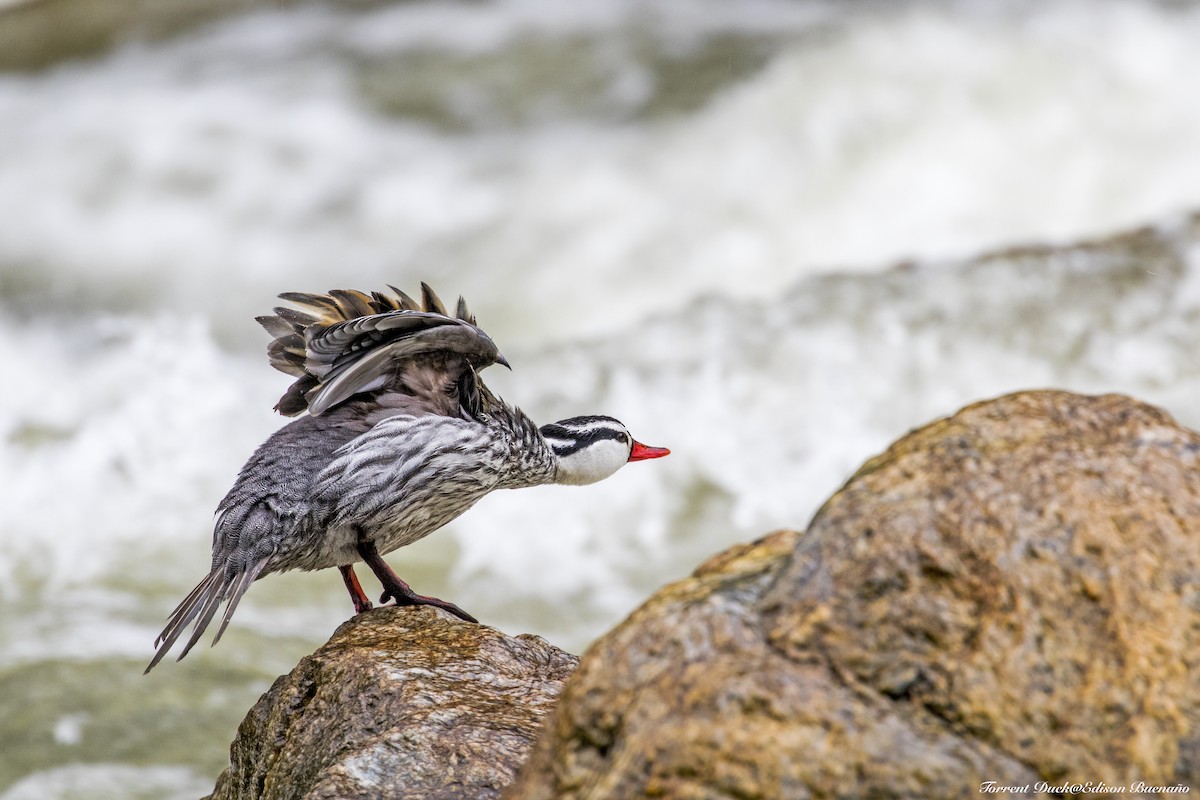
{"x": 685, "y": 214}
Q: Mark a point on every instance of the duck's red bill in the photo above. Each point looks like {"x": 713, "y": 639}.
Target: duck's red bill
{"x": 641, "y": 452}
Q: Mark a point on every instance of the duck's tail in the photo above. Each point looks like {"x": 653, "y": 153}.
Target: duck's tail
{"x": 225, "y": 583}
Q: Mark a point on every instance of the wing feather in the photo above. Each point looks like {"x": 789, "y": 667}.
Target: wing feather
{"x": 347, "y": 343}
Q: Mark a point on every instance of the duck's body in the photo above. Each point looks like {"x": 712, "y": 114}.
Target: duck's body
{"x": 401, "y": 438}
{"x": 393, "y": 483}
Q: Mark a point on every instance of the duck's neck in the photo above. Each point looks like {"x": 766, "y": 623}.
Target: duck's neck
{"x": 530, "y": 461}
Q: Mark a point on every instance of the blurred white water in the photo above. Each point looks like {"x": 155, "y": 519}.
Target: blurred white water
{"x": 204, "y": 174}
{"x": 708, "y": 269}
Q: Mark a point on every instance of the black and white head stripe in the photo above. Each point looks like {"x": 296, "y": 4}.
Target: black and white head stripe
{"x": 568, "y": 436}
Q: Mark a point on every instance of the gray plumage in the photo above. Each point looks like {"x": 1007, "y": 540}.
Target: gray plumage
{"x": 401, "y": 438}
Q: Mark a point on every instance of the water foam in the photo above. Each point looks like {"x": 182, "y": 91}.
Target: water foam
{"x": 769, "y": 407}
{"x": 110, "y": 782}
{"x": 247, "y": 158}
{"x": 662, "y": 269}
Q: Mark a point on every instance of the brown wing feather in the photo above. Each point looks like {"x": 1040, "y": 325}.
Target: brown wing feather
{"x": 346, "y": 342}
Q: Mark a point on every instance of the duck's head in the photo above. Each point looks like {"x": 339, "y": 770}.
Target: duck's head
{"x": 589, "y": 449}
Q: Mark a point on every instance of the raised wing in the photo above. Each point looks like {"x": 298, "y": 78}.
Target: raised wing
{"x": 349, "y": 343}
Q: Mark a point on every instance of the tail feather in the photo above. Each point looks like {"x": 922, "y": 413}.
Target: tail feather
{"x": 201, "y": 604}
{"x": 204, "y": 615}
{"x": 178, "y": 612}
{"x": 235, "y": 596}
{"x": 184, "y": 613}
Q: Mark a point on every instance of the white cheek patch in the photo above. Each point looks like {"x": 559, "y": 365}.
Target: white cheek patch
{"x": 593, "y": 463}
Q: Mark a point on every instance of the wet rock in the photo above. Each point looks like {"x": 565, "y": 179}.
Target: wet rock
{"x": 1010, "y": 595}
{"x": 400, "y": 703}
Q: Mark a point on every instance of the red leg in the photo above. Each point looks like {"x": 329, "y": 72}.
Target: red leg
{"x": 361, "y": 602}
{"x": 398, "y": 590}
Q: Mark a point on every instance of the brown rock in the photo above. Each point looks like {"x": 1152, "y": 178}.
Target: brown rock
{"x": 400, "y": 703}
{"x": 1011, "y": 594}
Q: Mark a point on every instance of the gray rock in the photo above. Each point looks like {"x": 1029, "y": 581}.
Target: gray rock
{"x": 399, "y": 703}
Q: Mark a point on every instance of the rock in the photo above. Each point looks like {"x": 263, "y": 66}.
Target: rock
{"x": 1010, "y": 595}
{"x": 399, "y": 703}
